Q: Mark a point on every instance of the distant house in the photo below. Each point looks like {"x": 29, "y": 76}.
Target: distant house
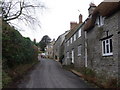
{"x": 57, "y": 45}
{"x": 49, "y": 49}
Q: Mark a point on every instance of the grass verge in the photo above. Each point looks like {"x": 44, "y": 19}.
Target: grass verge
{"x": 11, "y": 76}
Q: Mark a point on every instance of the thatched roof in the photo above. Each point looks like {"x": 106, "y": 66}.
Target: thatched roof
{"x": 104, "y": 9}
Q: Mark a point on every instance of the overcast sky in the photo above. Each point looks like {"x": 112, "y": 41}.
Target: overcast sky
{"x": 55, "y": 20}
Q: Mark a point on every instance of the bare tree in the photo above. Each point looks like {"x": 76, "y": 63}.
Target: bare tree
{"x": 21, "y": 9}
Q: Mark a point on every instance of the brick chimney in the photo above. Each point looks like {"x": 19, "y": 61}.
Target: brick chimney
{"x": 91, "y": 8}
{"x": 73, "y": 24}
{"x": 80, "y": 18}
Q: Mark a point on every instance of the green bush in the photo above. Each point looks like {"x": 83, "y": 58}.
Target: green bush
{"x": 16, "y": 51}
{"x": 6, "y": 79}
{"x": 16, "y": 48}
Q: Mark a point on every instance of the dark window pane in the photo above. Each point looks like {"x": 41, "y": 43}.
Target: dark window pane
{"x": 104, "y": 47}
{"x": 99, "y": 20}
{"x": 110, "y": 45}
{"x": 106, "y": 41}
{"x": 107, "y": 47}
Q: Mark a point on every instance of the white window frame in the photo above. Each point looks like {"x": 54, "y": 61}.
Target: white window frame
{"x": 72, "y": 52}
{"x": 67, "y": 54}
{"x": 71, "y": 40}
{"x": 79, "y": 50}
{"x": 51, "y": 46}
{"x": 79, "y": 33}
{"x": 68, "y": 43}
{"x": 100, "y": 21}
{"x": 106, "y": 46}
{"x": 75, "y": 37}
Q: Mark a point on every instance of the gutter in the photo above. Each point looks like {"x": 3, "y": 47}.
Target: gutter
{"x": 86, "y": 49}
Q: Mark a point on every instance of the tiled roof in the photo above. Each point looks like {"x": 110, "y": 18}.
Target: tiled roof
{"x": 104, "y": 9}
{"x": 61, "y": 36}
{"x": 72, "y": 31}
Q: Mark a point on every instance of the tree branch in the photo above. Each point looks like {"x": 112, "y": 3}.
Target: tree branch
{"x": 21, "y": 10}
{"x": 16, "y": 15}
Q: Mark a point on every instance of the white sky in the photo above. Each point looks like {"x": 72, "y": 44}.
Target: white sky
{"x": 55, "y": 20}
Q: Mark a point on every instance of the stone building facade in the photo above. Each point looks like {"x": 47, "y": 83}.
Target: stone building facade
{"x": 98, "y": 47}
{"x": 49, "y": 49}
{"x": 57, "y": 45}
{"x": 102, "y": 40}
{"x": 75, "y": 45}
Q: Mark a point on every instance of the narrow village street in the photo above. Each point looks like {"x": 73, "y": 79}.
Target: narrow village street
{"x": 49, "y": 74}
{"x": 60, "y": 44}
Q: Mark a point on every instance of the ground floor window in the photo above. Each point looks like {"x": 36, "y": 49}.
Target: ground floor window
{"x": 72, "y": 56}
{"x": 107, "y": 48}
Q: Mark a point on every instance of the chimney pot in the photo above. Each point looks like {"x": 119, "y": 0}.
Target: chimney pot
{"x": 80, "y": 18}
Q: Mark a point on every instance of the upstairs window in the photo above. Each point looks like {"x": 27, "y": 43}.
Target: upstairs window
{"x": 79, "y": 50}
{"x": 71, "y": 40}
{"x": 67, "y": 54}
{"x": 100, "y": 21}
{"x": 74, "y": 37}
{"x": 79, "y": 33}
{"x": 107, "y": 48}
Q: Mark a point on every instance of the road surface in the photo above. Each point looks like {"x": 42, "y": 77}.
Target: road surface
{"x": 49, "y": 74}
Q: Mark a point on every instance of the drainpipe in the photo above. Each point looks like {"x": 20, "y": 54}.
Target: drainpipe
{"x": 86, "y": 49}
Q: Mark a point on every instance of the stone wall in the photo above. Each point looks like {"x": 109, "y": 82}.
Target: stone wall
{"x": 103, "y": 65}
{"x": 78, "y": 60}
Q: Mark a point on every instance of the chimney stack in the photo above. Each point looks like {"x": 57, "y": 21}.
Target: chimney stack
{"x": 80, "y": 18}
{"x": 91, "y": 8}
{"x": 73, "y": 24}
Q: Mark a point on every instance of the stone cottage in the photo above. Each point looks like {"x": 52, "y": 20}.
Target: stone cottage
{"x": 75, "y": 45}
{"x": 95, "y": 43}
{"x": 102, "y": 35}
{"x": 57, "y": 45}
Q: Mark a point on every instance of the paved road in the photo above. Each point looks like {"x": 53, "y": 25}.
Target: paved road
{"x": 49, "y": 74}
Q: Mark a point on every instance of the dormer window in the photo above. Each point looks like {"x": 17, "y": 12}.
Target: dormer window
{"x": 100, "y": 21}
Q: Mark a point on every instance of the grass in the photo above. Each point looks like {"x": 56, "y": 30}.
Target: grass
{"x": 68, "y": 67}
{"x": 11, "y": 76}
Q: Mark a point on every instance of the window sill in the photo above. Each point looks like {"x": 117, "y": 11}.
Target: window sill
{"x": 107, "y": 55}
{"x": 100, "y": 25}
{"x": 79, "y": 55}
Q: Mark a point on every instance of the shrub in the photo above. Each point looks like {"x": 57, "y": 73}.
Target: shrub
{"x": 17, "y": 51}
{"x": 16, "y": 48}
{"x": 6, "y": 79}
